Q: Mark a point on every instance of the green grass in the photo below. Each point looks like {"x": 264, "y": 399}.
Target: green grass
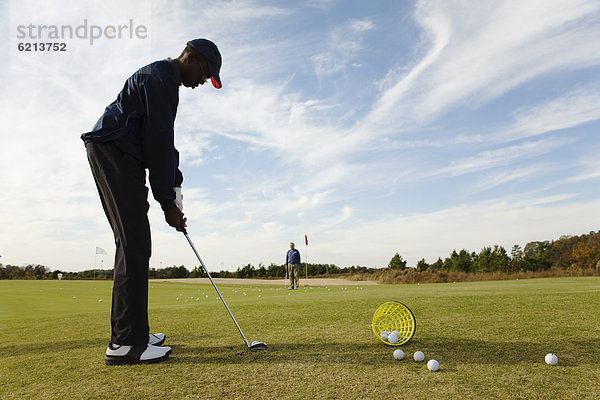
{"x": 489, "y": 337}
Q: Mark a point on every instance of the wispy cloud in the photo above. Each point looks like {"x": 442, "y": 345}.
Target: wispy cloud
{"x": 473, "y": 55}
{"x": 509, "y": 175}
{"x": 342, "y": 46}
{"x": 568, "y": 110}
{"x": 502, "y": 156}
{"x": 587, "y": 166}
{"x": 322, "y": 4}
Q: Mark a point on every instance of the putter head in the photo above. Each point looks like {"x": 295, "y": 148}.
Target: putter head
{"x": 257, "y": 346}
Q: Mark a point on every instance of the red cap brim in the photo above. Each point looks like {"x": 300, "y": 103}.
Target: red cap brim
{"x": 215, "y": 83}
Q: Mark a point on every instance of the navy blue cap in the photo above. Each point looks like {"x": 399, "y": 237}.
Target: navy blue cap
{"x": 209, "y": 50}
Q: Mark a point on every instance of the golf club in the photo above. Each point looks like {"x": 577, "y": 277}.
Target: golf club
{"x": 254, "y": 346}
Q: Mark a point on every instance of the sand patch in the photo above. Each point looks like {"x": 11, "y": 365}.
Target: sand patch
{"x": 272, "y": 282}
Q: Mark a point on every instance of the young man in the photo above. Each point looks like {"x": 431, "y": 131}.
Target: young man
{"x": 135, "y": 133}
{"x": 292, "y": 265}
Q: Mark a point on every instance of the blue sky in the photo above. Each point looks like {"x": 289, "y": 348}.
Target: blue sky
{"x": 375, "y": 127}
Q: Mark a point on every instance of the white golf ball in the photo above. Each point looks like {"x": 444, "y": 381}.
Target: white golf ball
{"x": 433, "y": 365}
{"x": 398, "y": 354}
{"x": 419, "y": 356}
{"x": 384, "y": 335}
{"x": 551, "y": 359}
{"x": 393, "y": 337}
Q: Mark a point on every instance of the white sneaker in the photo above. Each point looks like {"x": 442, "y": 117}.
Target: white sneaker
{"x": 140, "y": 354}
{"x": 156, "y": 339}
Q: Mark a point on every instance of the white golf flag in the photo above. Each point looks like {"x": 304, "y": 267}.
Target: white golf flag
{"x": 100, "y": 250}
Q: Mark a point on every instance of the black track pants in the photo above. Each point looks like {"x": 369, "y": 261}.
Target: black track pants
{"x": 121, "y": 183}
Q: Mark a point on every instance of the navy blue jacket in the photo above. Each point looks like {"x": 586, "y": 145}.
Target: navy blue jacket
{"x": 293, "y": 257}
{"x": 140, "y": 122}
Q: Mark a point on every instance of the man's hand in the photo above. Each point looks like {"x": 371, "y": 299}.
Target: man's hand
{"x": 175, "y": 218}
{"x": 178, "y": 197}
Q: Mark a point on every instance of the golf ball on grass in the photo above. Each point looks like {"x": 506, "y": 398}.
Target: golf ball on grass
{"x": 419, "y": 356}
{"x": 393, "y": 337}
{"x": 384, "y": 335}
{"x": 433, "y": 365}
{"x": 551, "y": 359}
{"x": 398, "y": 354}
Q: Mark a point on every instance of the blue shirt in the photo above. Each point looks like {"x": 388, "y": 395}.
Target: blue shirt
{"x": 140, "y": 122}
{"x": 293, "y": 256}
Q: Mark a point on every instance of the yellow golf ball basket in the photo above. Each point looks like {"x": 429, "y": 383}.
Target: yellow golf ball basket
{"x": 394, "y": 316}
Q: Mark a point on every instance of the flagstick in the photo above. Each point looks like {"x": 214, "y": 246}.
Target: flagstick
{"x": 306, "y": 259}
{"x": 95, "y": 257}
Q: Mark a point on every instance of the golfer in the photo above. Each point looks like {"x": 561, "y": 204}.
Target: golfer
{"x": 135, "y": 134}
{"x": 292, "y": 265}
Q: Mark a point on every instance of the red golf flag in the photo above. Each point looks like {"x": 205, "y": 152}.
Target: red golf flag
{"x": 306, "y": 239}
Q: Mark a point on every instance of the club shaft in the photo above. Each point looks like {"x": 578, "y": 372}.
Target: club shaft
{"x": 216, "y": 288}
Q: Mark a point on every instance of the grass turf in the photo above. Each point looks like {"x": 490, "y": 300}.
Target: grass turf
{"x": 489, "y": 337}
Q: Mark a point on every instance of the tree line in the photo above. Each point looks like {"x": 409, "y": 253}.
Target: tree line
{"x": 247, "y": 271}
{"x": 568, "y": 252}
{"x": 573, "y": 253}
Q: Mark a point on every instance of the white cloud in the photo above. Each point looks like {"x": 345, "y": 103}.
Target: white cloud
{"x": 568, "y": 110}
{"x": 588, "y": 167}
{"x": 343, "y": 44}
{"x": 503, "y": 156}
{"x": 509, "y": 175}
{"x": 478, "y": 53}
{"x": 472, "y": 226}
{"x": 322, "y": 4}
{"x": 192, "y": 147}
{"x": 345, "y": 214}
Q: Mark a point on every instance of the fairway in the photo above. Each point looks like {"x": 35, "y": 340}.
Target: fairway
{"x": 490, "y": 339}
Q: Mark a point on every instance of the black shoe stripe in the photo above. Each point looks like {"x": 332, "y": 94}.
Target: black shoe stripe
{"x": 132, "y": 357}
{"x": 160, "y": 342}
{"x": 108, "y": 360}
{"x": 136, "y": 351}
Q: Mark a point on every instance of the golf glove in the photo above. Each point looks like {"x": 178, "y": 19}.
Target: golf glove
{"x": 178, "y": 198}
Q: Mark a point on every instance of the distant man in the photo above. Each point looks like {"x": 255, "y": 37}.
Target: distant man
{"x": 135, "y": 134}
{"x": 292, "y": 265}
